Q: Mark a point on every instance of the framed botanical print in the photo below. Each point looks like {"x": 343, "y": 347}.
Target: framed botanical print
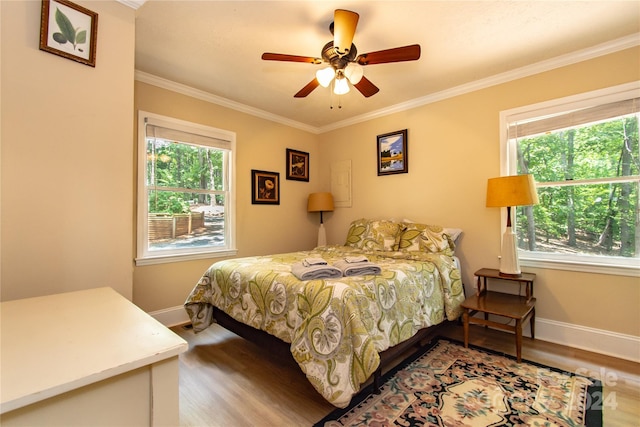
{"x": 265, "y": 187}
{"x": 69, "y": 30}
{"x": 392, "y": 153}
{"x": 297, "y": 165}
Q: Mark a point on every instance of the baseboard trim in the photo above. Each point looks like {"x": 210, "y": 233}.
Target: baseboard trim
{"x": 596, "y": 340}
{"x": 172, "y": 316}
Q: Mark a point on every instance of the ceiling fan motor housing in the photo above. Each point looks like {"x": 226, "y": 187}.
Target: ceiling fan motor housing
{"x": 330, "y": 55}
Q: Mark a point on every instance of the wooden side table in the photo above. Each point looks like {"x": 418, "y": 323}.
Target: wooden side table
{"x": 514, "y": 307}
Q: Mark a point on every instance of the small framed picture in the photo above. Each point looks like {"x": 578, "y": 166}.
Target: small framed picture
{"x": 69, "y": 30}
{"x": 392, "y": 153}
{"x": 265, "y": 187}
{"x": 297, "y": 165}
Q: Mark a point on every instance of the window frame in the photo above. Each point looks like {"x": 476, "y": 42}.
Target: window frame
{"x": 146, "y": 257}
{"x": 508, "y": 166}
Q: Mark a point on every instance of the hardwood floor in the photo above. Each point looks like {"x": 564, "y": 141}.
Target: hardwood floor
{"x": 228, "y": 381}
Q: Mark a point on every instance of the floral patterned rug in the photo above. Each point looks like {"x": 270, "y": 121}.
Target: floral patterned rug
{"x": 449, "y": 385}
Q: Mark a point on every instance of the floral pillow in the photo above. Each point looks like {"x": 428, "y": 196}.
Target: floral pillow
{"x": 423, "y": 237}
{"x": 379, "y": 235}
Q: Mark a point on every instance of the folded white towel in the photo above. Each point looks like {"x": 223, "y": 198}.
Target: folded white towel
{"x": 358, "y": 268}
{"x": 307, "y": 262}
{"x": 312, "y": 272}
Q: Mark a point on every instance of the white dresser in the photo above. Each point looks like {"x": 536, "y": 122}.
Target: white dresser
{"x": 86, "y": 358}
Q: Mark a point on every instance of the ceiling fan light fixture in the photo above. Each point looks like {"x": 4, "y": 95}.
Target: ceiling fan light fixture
{"x": 354, "y": 72}
{"x": 341, "y": 85}
{"x": 325, "y": 76}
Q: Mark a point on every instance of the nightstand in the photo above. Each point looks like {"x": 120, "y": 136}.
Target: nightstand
{"x": 513, "y": 307}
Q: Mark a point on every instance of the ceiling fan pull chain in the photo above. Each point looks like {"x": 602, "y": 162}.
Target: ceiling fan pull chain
{"x": 331, "y": 94}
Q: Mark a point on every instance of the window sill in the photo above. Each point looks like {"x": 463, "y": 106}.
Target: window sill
{"x": 581, "y": 266}
{"x": 165, "y": 259}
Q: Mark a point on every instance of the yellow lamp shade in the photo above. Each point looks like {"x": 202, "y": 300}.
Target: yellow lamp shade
{"x": 516, "y": 190}
{"x": 320, "y": 202}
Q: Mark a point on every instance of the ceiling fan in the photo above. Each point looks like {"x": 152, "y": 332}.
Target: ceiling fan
{"x": 345, "y": 65}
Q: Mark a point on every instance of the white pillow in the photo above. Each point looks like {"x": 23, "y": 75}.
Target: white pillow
{"x": 454, "y": 233}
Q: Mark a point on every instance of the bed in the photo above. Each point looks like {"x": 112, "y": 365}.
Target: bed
{"x": 338, "y": 328}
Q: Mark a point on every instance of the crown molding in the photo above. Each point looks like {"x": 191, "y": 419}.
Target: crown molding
{"x": 529, "y": 70}
{"x": 133, "y": 4}
{"x": 154, "y": 80}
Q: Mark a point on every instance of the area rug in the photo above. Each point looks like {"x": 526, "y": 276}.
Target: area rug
{"x": 449, "y": 385}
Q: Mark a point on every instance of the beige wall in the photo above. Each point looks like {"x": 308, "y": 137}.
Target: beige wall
{"x": 68, "y": 173}
{"x": 453, "y": 149}
{"x": 261, "y": 229}
{"x": 66, "y": 157}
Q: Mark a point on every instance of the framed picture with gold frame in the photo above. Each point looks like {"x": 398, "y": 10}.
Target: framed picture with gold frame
{"x": 297, "y": 165}
{"x": 265, "y": 187}
{"x": 69, "y": 30}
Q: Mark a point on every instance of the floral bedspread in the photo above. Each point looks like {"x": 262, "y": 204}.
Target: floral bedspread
{"x": 336, "y": 327}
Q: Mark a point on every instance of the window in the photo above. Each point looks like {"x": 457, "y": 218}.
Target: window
{"x": 186, "y": 195}
{"x": 583, "y": 153}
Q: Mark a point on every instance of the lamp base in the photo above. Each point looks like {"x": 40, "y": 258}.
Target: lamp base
{"x": 322, "y": 236}
{"x": 509, "y": 264}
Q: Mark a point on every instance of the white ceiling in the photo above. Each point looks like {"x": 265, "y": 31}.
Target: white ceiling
{"x": 215, "y": 47}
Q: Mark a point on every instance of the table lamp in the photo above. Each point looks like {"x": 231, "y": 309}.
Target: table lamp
{"x": 508, "y": 191}
{"x": 320, "y": 202}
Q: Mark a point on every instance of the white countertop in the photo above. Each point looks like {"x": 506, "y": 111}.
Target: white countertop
{"x": 53, "y": 344}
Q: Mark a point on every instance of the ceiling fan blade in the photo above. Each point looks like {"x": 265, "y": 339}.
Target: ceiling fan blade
{"x": 344, "y": 28}
{"x": 290, "y": 58}
{"x": 366, "y": 87}
{"x": 398, "y": 54}
{"x": 307, "y": 89}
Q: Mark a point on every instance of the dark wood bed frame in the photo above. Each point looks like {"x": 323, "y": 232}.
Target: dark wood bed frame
{"x": 277, "y": 346}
